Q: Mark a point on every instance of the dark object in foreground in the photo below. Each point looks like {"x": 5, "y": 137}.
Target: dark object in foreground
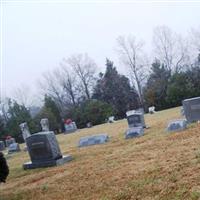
{"x": 4, "y": 170}
{"x": 44, "y": 151}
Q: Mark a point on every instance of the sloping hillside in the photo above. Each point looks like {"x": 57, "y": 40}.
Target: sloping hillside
{"x": 156, "y": 166}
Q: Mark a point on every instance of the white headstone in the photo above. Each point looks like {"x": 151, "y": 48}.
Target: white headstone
{"x": 25, "y": 130}
{"x": 111, "y": 119}
{"x": 152, "y": 109}
{"x": 44, "y": 124}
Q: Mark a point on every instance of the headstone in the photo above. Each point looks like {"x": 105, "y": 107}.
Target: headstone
{"x": 44, "y": 124}
{"x": 134, "y": 132}
{"x": 192, "y": 109}
{"x": 14, "y": 147}
{"x": 135, "y": 119}
{"x": 2, "y": 146}
{"x": 140, "y": 110}
{"x": 10, "y": 141}
{"x": 182, "y": 111}
{"x": 111, "y": 119}
{"x": 44, "y": 151}
{"x": 152, "y": 109}
{"x": 70, "y": 128}
{"x": 177, "y": 125}
{"x": 93, "y": 139}
{"x": 25, "y": 130}
{"x": 89, "y": 125}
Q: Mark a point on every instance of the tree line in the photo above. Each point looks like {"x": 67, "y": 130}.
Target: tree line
{"x": 76, "y": 90}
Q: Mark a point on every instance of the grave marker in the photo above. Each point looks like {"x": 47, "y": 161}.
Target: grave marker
{"x": 177, "y": 125}
{"x": 192, "y": 109}
{"x": 152, "y": 109}
{"x": 93, "y": 140}
{"x": 135, "y": 119}
{"x": 25, "y": 130}
{"x": 134, "y": 132}
{"x": 44, "y": 150}
{"x": 14, "y": 147}
{"x": 9, "y": 141}
{"x": 44, "y": 124}
{"x": 2, "y": 146}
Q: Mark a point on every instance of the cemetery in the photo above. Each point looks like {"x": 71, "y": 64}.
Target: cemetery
{"x": 115, "y": 160}
{"x": 100, "y": 100}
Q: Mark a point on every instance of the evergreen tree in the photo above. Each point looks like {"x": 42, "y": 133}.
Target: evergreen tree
{"x": 17, "y": 114}
{"x": 51, "y": 105}
{"x": 156, "y": 86}
{"x": 51, "y": 112}
{"x": 93, "y": 111}
{"x": 115, "y": 89}
{"x": 179, "y": 88}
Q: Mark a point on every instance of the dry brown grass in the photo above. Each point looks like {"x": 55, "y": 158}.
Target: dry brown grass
{"x": 155, "y": 166}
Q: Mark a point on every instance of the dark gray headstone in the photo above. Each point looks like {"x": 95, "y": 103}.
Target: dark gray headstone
{"x": 192, "y": 109}
{"x": 134, "y": 132}
{"x": 141, "y": 110}
{"x": 93, "y": 139}
{"x": 177, "y": 125}
{"x": 70, "y": 128}
{"x": 14, "y": 147}
{"x": 50, "y": 163}
{"x": 44, "y": 151}
{"x": 135, "y": 119}
{"x": 43, "y": 146}
{"x": 10, "y": 141}
{"x": 2, "y": 146}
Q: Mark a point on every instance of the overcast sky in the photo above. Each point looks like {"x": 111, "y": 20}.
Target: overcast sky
{"x": 37, "y": 36}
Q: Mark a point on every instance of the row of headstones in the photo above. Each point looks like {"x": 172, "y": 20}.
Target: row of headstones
{"x": 11, "y": 144}
{"x": 43, "y": 147}
{"x": 41, "y": 156}
{"x": 44, "y": 150}
{"x": 70, "y": 128}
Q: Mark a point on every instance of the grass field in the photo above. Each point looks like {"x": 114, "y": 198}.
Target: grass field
{"x": 156, "y": 166}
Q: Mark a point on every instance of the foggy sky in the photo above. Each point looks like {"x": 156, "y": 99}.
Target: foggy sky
{"x": 37, "y": 36}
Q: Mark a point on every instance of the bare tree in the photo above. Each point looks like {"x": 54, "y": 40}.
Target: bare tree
{"x": 131, "y": 54}
{"x": 170, "y": 48}
{"x": 4, "y": 106}
{"x": 195, "y": 45}
{"x": 23, "y": 95}
{"x": 68, "y": 81}
{"x": 50, "y": 85}
{"x": 85, "y": 68}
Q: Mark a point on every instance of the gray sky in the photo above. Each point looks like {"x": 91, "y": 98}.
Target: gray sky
{"x": 36, "y": 36}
